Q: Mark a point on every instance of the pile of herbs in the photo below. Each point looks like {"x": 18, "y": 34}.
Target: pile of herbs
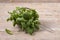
{"x": 26, "y": 18}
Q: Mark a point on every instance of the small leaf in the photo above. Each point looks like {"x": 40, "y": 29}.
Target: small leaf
{"x": 23, "y": 25}
{"x": 30, "y": 31}
{"x": 27, "y": 16}
{"x": 17, "y": 8}
{"x": 8, "y": 19}
{"x": 14, "y": 23}
{"x": 33, "y": 25}
{"x": 8, "y": 31}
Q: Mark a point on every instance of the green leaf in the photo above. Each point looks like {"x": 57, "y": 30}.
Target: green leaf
{"x": 33, "y": 25}
{"x": 14, "y": 23}
{"x": 30, "y": 31}
{"x": 8, "y": 19}
{"x": 27, "y": 16}
{"x": 23, "y": 25}
{"x": 8, "y": 31}
{"x": 17, "y": 8}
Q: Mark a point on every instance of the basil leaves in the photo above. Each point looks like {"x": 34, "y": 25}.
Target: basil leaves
{"x": 26, "y": 18}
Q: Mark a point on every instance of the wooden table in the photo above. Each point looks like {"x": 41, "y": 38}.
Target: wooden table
{"x": 49, "y": 16}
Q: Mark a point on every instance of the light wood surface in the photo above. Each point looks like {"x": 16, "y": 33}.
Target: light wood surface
{"x": 49, "y": 16}
{"x": 30, "y": 1}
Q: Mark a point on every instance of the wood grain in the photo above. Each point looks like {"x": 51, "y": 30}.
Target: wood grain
{"x": 29, "y": 1}
{"x": 49, "y": 16}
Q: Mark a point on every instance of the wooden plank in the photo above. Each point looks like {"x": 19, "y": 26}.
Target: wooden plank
{"x": 29, "y": 1}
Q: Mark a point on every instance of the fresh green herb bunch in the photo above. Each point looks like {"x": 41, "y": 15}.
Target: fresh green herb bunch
{"x": 26, "y": 18}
